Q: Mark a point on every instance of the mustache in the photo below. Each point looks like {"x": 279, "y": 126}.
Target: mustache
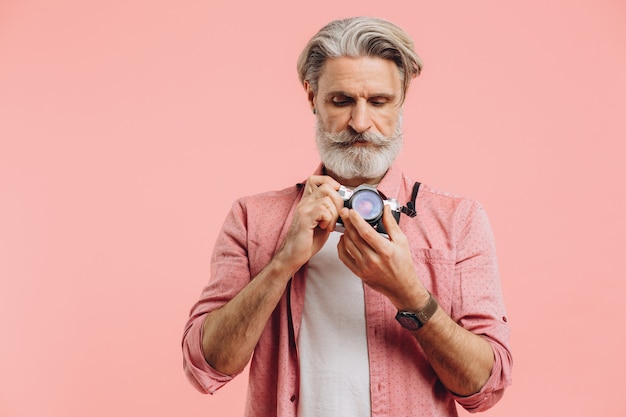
{"x": 348, "y": 138}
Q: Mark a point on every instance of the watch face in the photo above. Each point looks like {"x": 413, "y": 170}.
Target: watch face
{"x": 408, "y": 320}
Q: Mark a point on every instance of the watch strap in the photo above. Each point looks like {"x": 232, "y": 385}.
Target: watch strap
{"x": 428, "y": 311}
{"x": 416, "y": 320}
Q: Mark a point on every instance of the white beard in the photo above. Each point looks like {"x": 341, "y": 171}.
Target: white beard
{"x": 348, "y": 161}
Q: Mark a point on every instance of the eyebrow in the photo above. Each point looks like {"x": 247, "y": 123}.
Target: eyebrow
{"x": 331, "y": 94}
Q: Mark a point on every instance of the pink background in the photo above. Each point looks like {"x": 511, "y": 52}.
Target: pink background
{"x": 127, "y": 128}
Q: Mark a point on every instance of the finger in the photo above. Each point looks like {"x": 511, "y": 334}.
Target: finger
{"x": 330, "y": 191}
{"x": 323, "y": 186}
{"x": 391, "y": 225}
{"x": 328, "y": 214}
{"x": 360, "y": 230}
{"x": 316, "y": 181}
{"x": 325, "y": 220}
{"x": 354, "y": 246}
{"x": 344, "y": 255}
{"x": 358, "y": 234}
{"x": 327, "y": 192}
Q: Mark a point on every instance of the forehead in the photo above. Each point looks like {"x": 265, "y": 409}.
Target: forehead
{"x": 360, "y": 76}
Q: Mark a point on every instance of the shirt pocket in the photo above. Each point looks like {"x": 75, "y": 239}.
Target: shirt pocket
{"x": 436, "y": 269}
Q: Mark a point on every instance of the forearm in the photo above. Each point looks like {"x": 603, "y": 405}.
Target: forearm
{"x": 462, "y": 360}
{"x": 231, "y": 332}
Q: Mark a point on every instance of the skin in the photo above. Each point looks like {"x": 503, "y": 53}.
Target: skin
{"x": 362, "y": 94}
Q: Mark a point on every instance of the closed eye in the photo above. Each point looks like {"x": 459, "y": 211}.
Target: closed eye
{"x": 341, "y": 101}
{"x": 379, "y": 101}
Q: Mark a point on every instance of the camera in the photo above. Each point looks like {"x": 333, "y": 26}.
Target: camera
{"x": 369, "y": 203}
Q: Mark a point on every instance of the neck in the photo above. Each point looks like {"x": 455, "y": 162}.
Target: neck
{"x": 353, "y": 182}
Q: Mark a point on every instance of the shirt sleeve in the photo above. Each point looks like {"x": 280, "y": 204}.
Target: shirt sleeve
{"x": 200, "y": 374}
{"x": 229, "y": 274}
{"x": 479, "y": 305}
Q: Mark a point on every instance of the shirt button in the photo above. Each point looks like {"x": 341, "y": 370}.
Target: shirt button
{"x": 293, "y": 398}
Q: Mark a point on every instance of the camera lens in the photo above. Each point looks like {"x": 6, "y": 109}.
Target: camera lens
{"x": 368, "y": 204}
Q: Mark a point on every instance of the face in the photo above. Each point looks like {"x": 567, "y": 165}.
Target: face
{"x": 359, "y": 117}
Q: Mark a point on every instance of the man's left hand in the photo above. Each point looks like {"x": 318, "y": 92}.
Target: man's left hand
{"x": 386, "y": 265}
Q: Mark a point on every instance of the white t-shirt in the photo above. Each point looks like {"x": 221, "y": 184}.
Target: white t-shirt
{"x": 332, "y": 343}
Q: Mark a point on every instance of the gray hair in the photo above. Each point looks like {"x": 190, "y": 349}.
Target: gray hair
{"x": 358, "y": 37}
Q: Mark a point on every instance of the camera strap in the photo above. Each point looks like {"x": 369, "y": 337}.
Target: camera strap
{"x": 409, "y": 209}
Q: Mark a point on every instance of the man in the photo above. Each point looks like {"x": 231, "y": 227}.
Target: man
{"x": 357, "y": 322}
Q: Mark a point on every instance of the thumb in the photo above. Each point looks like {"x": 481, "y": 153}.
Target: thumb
{"x": 391, "y": 225}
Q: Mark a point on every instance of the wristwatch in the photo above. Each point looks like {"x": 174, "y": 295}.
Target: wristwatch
{"x": 415, "y": 321}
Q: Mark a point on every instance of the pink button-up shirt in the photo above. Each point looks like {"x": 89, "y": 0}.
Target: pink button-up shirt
{"x": 454, "y": 256}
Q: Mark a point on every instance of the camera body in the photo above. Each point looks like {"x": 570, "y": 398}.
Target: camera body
{"x": 369, "y": 203}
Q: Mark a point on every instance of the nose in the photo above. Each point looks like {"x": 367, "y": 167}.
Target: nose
{"x": 360, "y": 119}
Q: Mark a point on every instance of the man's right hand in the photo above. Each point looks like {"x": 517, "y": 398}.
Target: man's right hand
{"x": 314, "y": 220}
{"x": 231, "y": 332}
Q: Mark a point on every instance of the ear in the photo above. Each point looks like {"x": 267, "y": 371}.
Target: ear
{"x": 310, "y": 94}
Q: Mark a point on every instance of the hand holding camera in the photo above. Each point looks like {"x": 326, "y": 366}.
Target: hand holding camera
{"x": 369, "y": 203}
